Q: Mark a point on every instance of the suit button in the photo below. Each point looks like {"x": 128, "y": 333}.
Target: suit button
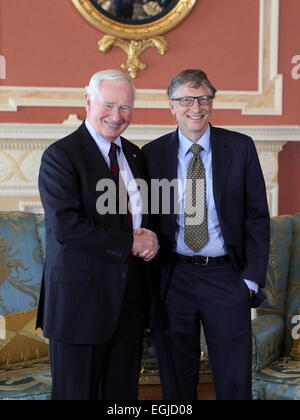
{"x": 124, "y": 275}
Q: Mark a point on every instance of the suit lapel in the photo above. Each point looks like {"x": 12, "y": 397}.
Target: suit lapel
{"x": 221, "y": 162}
{"x": 92, "y": 154}
{"x": 131, "y": 158}
{"x": 169, "y": 157}
{"x": 133, "y": 163}
{"x": 169, "y": 170}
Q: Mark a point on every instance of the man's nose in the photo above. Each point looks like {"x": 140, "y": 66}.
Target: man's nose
{"x": 196, "y": 105}
{"x": 115, "y": 114}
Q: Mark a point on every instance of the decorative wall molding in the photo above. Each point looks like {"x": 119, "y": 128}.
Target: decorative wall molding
{"x": 266, "y": 100}
{"x": 31, "y": 206}
{"x": 19, "y": 136}
{"x": 272, "y": 196}
{"x": 22, "y": 145}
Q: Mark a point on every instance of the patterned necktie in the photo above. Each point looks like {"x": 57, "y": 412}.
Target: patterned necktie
{"x": 195, "y": 212}
{"x": 115, "y": 171}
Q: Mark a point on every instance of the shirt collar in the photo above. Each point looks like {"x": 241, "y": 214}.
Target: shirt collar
{"x": 185, "y": 143}
{"x": 102, "y": 144}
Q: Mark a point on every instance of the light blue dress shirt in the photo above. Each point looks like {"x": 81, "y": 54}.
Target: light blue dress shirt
{"x": 215, "y": 246}
{"x": 127, "y": 176}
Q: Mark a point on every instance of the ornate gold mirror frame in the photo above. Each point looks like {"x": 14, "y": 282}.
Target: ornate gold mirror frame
{"x": 134, "y": 38}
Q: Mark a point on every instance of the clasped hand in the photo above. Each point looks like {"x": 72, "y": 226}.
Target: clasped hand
{"x": 145, "y": 244}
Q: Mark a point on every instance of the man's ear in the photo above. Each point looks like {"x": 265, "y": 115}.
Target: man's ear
{"x": 87, "y": 97}
{"x": 172, "y": 108}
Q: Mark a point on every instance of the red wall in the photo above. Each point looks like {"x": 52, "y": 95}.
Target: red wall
{"x": 48, "y": 43}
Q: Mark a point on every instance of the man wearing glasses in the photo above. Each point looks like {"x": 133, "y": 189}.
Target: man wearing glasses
{"x": 214, "y": 249}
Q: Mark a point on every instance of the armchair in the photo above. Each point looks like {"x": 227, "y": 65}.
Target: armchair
{"x": 275, "y": 355}
{"x": 24, "y": 366}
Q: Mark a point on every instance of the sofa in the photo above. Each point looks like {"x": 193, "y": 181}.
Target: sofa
{"x": 24, "y": 365}
{"x": 24, "y": 362}
{"x": 276, "y": 330}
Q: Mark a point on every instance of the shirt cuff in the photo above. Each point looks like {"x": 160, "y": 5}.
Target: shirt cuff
{"x": 251, "y": 285}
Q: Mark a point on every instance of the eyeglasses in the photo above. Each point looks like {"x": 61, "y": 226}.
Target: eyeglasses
{"x": 190, "y": 100}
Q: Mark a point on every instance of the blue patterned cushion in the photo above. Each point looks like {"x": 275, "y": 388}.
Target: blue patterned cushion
{"x": 21, "y": 262}
{"x": 21, "y": 267}
{"x": 40, "y": 221}
{"x": 279, "y": 381}
{"x": 279, "y": 377}
{"x": 293, "y": 299}
{"x": 29, "y": 383}
{"x": 279, "y": 260}
{"x": 267, "y": 340}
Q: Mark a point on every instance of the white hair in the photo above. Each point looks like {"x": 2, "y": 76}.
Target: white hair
{"x": 93, "y": 88}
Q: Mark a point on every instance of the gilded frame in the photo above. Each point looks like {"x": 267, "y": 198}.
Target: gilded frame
{"x": 133, "y": 39}
{"x": 137, "y": 32}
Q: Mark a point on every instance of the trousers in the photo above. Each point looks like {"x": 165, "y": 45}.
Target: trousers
{"x": 215, "y": 296}
{"x": 110, "y": 370}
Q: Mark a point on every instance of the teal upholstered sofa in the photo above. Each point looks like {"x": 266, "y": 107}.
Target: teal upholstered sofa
{"x": 276, "y": 356}
{"x": 24, "y": 367}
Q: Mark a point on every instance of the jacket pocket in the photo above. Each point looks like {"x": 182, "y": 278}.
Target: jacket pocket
{"x": 71, "y": 275}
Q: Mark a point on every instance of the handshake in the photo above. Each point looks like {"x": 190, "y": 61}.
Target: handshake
{"x": 145, "y": 244}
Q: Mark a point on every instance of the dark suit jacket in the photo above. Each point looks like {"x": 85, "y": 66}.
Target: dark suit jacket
{"x": 86, "y": 256}
{"x": 240, "y": 198}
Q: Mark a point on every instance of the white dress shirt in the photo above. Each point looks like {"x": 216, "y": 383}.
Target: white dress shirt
{"x": 215, "y": 246}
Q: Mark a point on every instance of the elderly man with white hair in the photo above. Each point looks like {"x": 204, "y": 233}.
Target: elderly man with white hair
{"x": 93, "y": 297}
